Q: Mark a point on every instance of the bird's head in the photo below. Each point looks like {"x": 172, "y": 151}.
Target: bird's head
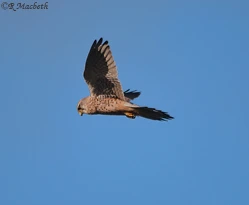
{"x": 81, "y": 107}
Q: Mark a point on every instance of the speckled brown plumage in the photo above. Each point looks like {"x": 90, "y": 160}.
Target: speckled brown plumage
{"x": 106, "y": 94}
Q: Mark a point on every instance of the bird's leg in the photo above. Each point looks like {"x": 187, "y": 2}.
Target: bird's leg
{"x": 130, "y": 115}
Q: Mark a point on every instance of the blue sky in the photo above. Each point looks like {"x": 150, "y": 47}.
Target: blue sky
{"x": 189, "y": 58}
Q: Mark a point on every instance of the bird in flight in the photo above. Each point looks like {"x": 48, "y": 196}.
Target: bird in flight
{"x": 106, "y": 94}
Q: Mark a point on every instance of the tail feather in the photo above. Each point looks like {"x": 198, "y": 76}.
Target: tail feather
{"x": 152, "y": 113}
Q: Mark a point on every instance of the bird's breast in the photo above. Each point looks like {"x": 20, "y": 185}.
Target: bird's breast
{"x": 109, "y": 105}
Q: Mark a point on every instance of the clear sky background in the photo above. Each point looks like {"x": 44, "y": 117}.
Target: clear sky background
{"x": 189, "y": 58}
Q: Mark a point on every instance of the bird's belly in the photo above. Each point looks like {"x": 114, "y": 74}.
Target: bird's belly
{"x": 110, "y": 106}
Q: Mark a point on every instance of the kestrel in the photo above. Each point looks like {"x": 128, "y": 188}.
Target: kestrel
{"x": 106, "y": 94}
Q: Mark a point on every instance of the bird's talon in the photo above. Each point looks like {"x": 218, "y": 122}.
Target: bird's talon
{"x": 130, "y": 115}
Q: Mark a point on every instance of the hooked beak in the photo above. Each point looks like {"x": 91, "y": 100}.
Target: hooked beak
{"x": 80, "y": 112}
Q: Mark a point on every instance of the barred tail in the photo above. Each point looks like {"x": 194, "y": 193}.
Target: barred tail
{"x": 152, "y": 113}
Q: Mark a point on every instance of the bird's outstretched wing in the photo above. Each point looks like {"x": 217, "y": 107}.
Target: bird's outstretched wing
{"x": 101, "y": 72}
{"x": 131, "y": 95}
